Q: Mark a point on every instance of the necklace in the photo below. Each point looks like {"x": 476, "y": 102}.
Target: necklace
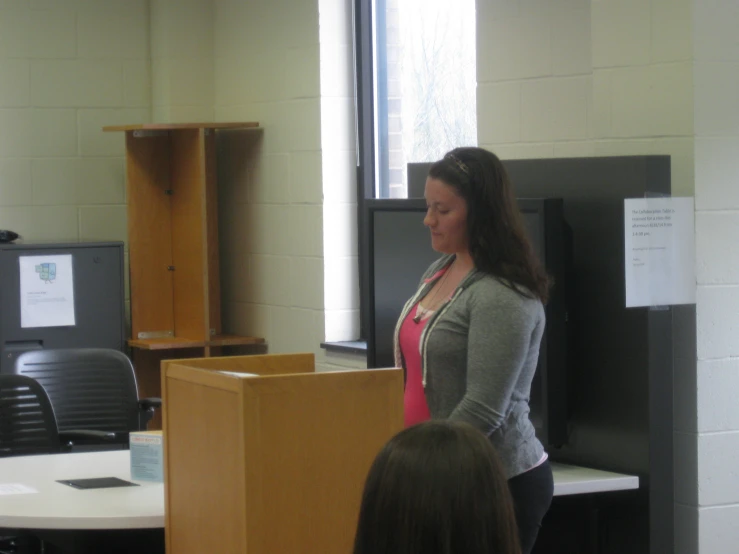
{"x": 420, "y": 310}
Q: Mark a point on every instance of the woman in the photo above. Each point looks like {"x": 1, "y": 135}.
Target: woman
{"x": 469, "y": 338}
{"x": 436, "y": 488}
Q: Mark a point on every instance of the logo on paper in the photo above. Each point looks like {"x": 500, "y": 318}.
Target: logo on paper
{"x": 47, "y": 272}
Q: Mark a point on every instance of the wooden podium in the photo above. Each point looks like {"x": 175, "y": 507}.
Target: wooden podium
{"x": 273, "y": 463}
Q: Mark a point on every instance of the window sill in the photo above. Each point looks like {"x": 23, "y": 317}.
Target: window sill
{"x": 346, "y": 347}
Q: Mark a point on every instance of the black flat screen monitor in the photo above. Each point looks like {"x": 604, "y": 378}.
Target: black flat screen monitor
{"x": 400, "y": 251}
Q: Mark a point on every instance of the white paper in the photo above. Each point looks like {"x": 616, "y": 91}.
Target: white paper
{"x": 15, "y": 488}
{"x": 237, "y": 374}
{"x": 659, "y": 241}
{"x": 47, "y": 291}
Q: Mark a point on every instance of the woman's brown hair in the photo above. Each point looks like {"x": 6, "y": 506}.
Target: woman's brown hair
{"x": 498, "y": 242}
{"x": 437, "y": 488}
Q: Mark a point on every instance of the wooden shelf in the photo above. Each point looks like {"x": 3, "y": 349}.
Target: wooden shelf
{"x": 174, "y": 343}
{"x": 233, "y": 340}
{"x": 178, "y": 126}
{"x": 167, "y": 343}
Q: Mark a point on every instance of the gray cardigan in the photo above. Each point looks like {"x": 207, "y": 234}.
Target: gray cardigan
{"x": 479, "y": 352}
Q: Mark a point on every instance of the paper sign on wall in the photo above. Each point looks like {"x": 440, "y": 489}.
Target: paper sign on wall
{"x": 47, "y": 291}
{"x": 659, "y": 240}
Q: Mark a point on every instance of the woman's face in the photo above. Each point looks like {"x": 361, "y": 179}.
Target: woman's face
{"x": 446, "y": 217}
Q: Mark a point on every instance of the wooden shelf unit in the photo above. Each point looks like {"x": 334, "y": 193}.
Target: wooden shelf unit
{"x": 174, "y": 269}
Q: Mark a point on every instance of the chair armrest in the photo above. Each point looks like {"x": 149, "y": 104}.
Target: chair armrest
{"x": 85, "y": 434}
{"x": 150, "y": 403}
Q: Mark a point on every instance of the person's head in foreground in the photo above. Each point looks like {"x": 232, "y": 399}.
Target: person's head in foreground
{"x": 437, "y": 488}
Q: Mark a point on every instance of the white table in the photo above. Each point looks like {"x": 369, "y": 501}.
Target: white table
{"x": 61, "y": 507}
{"x": 58, "y": 506}
{"x": 570, "y": 479}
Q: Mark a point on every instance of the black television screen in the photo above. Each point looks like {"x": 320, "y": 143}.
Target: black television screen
{"x": 400, "y": 251}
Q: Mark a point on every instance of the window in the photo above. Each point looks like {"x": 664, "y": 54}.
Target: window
{"x": 419, "y": 77}
{"x": 416, "y": 84}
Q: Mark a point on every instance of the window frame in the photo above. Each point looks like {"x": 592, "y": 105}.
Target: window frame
{"x": 367, "y": 157}
{"x": 372, "y": 128}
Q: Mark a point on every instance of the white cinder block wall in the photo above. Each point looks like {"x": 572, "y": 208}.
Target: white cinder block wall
{"x": 289, "y": 220}
{"x": 573, "y": 78}
{"x": 182, "y": 61}
{"x": 267, "y": 69}
{"x": 708, "y": 513}
{"x": 67, "y": 69}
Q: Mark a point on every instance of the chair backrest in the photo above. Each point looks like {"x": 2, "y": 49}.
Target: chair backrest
{"x": 27, "y": 423}
{"x": 89, "y": 388}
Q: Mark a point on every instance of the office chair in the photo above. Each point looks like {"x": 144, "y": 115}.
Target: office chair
{"x": 27, "y": 422}
{"x": 27, "y": 427}
{"x": 92, "y": 389}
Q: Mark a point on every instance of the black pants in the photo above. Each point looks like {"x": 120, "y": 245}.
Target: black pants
{"x": 532, "y": 493}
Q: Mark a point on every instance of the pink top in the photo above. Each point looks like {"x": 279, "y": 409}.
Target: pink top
{"x": 416, "y": 409}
